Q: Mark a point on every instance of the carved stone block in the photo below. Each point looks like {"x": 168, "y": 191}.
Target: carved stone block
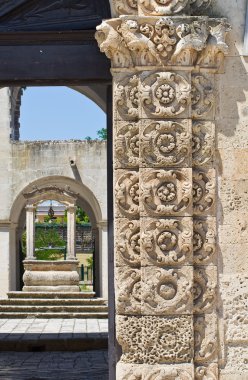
{"x": 127, "y": 242}
{"x": 165, "y": 95}
{"x": 204, "y": 192}
{"x": 206, "y": 343}
{"x": 126, "y": 97}
{"x": 210, "y": 372}
{"x": 204, "y": 241}
{"x": 205, "y": 284}
{"x": 166, "y": 192}
{"x": 165, "y": 143}
{"x": 155, "y": 340}
{"x": 126, "y": 145}
{"x": 202, "y": 96}
{"x": 161, "y": 372}
{"x": 162, "y": 8}
{"x": 127, "y": 194}
{"x": 166, "y": 241}
{"x": 167, "y": 291}
{"x": 128, "y": 290}
{"x": 203, "y": 148}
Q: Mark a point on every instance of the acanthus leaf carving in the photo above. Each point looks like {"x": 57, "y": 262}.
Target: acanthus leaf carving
{"x": 205, "y": 283}
{"x": 166, "y": 241}
{"x": 127, "y": 99}
{"x": 166, "y": 192}
{"x": 204, "y": 241}
{"x": 126, "y": 7}
{"x": 126, "y": 144}
{"x": 165, "y": 143}
{"x": 128, "y": 291}
{"x": 203, "y": 147}
{"x": 167, "y": 291}
{"x": 127, "y": 194}
{"x": 202, "y": 97}
{"x": 165, "y": 94}
{"x": 204, "y": 192}
{"x": 127, "y": 243}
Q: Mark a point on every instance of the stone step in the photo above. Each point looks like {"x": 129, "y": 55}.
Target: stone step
{"x": 55, "y": 301}
{"x": 52, "y": 295}
{"x": 53, "y": 309}
{"x": 49, "y": 315}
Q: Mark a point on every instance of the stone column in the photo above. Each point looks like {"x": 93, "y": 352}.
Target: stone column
{"x": 164, "y": 181}
{"x": 71, "y": 232}
{"x": 30, "y": 232}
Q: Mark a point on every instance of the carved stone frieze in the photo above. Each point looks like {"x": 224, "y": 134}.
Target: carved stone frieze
{"x": 126, "y": 145}
{"x": 209, "y": 372}
{"x": 127, "y": 242}
{"x": 205, "y": 283}
{"x": 204, "y": 241}
{"x": 127, "y": 194}
{"x": 165, "y": 94}
{"x": 167, "y": 291}
{"x": 166, "y": 192}
{"x": 165, "y": 143}
{"x": 128, "y": 290}
{"x": 126, "y": 97}
{"x": 162, "y": 7}
{"x": 203, "y": 147}
{"x": 163, "y": 41}
{"x": 160, "y": 372}
{"x": 204, "y": 192}
{"x": 166, "y": 241}
{"x": 155, "y": 340}
{"x": 202, "y": 97}
{"x": 205, "y": 333}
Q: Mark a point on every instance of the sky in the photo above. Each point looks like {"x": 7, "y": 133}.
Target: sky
{"x": 58, "y": 113}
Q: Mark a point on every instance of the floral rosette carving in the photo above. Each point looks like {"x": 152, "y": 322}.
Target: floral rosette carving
{"x": 127, "y": 194}
{"x": 127, "y": 245}
{"x": 126, "y": 7}
{"x": 205, "y": 282}
{"x": 203, "y": 147}
{"x": 204, "y": 192}
{"x": 167, "y": 291}
{"x": 162, "y": 7}
{"x": 210, "y": 372}
{"x": 204, "y": 241}
{"x": 127, "y": 145}
{"x": 205, "y": 334}
{"x": 165, "y": 143}
{"x": 127, "y": 98}
{"x": 165, "y": 94}
{"x": 202, "y": 97}
{"x": 166, "y": 192}
{"x": 128, "y": 290}
{"x": 166, "y": 241}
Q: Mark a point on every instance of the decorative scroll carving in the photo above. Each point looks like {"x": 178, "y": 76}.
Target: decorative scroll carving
{"x": 132, "y": 41}
{"x": 162, "y": 7}
{"x": 165, "y": 94}
{"x": 209, "y": 372}
{"x": 166, "y": 241}
{"x": 165, "y": 143}
{"x": 126, "y": 152}
{"x": 155, "y": 340}
{"x": 205, "y": 332}
{"x": 127, "y": 194}
{"x": 166, "y": 192}
{"x": 126, "y": 100}
{"x": 126, "y": 7}
{"x": 128, "y": 291}
{"x": 204, "y": 241}
{"x": 205, "y": 282}
{"x": 167, "y": 291}
{"x": 203, "y": 143}
{"x": 202, "y": 97}
{"x": 148, "y": 372}
{"x": 199, "y": 6}
{"x": 127, "y": 246}
{"x": 204, "y": 192}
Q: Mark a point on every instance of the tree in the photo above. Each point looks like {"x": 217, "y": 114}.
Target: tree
{"x": 88, "y": 138}
{"x": 81, "y": 216}
{"x": 102, "y": 134}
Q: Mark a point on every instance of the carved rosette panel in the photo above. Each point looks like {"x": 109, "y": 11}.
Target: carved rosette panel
{"x": 165, "y": 143}
{"x": 205, "y": 333}
{"x": 210, "y": 372}
{"x": 166, "y": 241}
{"x": 203, "y": 146}
{"x": 128, "y": 290}
{"x": 205, "y": 284}
{"x": 202, "y": 97}
{"x": 154, "y": 372}
{"x": 166, "y": 192}
{"x": 155, "y": 340}
{"x": 204, "y": 192}
{"x": 204, "y": 241}
{"x": 162, "y": 7}
{"x": 127, "y": 194}
{"x": 126, "y": 97}
{"x": 127, "y": 243}
{"x": 165, "y": 94}
{"x": 126, "y": 145}
{"x": 167, "y": 291}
